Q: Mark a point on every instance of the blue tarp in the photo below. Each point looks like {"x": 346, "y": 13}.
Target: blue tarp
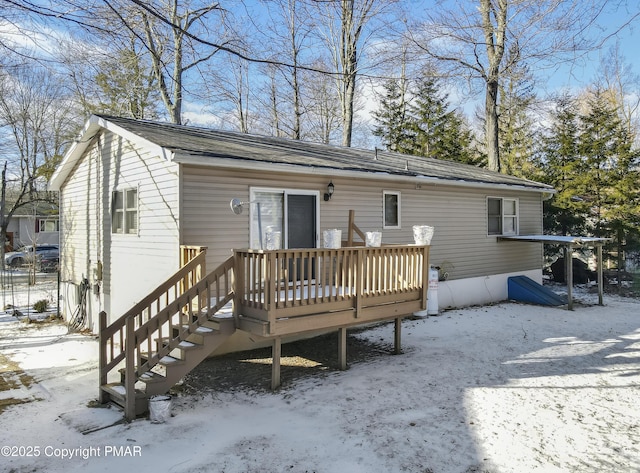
{"x": 524, "y": 289}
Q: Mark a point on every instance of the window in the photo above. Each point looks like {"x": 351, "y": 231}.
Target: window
{"x": 48, "y": 225}
{"x": 502, "y": 216}
{"x": 124, "y": 214}
{"x": 391, "y": 209}
{"x": 283, "y": 218}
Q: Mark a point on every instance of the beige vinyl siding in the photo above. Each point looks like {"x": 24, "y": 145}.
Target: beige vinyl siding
{"x": 459, "y": 214}
{"x": 207, "y": 217}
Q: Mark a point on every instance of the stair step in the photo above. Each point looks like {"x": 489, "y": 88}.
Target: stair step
{"x": 201, "y": 330}
{"x": 226, "y": 325}
{"x": 151, "y": 377}
{"x": 217, "y": 324}
{"x": 118, "y": 390}
{"x": 183, "y": 346}
{"x": 169, "y": 361}
{"x": 117, "y": 395}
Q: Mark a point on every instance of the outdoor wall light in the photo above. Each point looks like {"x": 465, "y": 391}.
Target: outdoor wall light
{"x": 329, "y": 193}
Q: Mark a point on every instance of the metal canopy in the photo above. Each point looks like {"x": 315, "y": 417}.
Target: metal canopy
{"x": 569, "y": 242}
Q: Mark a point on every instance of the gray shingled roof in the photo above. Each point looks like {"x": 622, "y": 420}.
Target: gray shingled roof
{"x": 203, "y": 142}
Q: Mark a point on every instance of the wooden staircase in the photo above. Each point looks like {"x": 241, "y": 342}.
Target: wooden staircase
{"x": 165, "y": 336}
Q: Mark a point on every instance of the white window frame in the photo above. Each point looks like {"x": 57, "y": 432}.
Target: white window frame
{"x": 253, "y": 212}
{"x": 126, "y": 211}
{"x": 504, "y": 217}
{"x": 42, "y": 225}
{"x": 398, "y": 194}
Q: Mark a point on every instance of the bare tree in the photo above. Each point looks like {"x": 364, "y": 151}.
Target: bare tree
{"x": 287, "y": 37}
{"x": 474, "y": 36}
{"x": 166, "y": 30}
{"x": 345, "y": 34}
{"x": 618, "y": 78}
{"x": 323, "y": 116}
{"x": 38, "y": 117}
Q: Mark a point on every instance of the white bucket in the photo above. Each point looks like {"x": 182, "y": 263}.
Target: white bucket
{"x": 373, "y": 238}
{"x": 159, "y": 409}
{"x": 422, "y": 234}
{"x": 273, "y": 239}
{"x": 332, "y": 238}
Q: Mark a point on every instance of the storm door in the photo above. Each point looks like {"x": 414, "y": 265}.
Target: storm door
{"x": 301, "y": 233}
{"x": 284, "y": 219}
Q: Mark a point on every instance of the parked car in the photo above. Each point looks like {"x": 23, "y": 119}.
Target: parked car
{"x": 29, "y": 254}
{"x": 48, "y": 261}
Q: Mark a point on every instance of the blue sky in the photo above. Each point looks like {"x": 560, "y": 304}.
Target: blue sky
{"x": 573, "y": 76}
{"x": 622, "y": 26}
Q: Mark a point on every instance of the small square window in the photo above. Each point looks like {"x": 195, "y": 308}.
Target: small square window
{"x": 124, "y": 211}
{"x": 502, "y": 216}
{"x": 391, "y": 209}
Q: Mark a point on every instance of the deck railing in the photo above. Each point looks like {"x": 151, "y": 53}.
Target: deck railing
{"x": 291, "y": 283}
{"x": 154, "y": 317}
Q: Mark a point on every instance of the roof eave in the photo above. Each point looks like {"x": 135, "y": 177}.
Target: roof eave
{"x": 92, "y": 127}
{"x": 235, "y": 163}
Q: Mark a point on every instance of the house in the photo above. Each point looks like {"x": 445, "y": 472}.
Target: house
{"x": 133, "y": 192}
{"x": 30, "y": 229}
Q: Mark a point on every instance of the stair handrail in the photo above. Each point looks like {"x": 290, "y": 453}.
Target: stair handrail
{"x": 109, "y": 359}
{"x": 186, "y": 328}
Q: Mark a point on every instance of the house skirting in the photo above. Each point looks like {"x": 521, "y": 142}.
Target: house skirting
{"x": 480, "y": 290}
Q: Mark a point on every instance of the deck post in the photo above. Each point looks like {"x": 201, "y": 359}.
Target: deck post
{"x": 129, "y": 374}
{"x": 600, "y": 278}
{"x": 276, "y": 351}
{"x": 397, "y": 336}
{"x": 102, "y": 356}
{"x": 568, "y": 260}
{"x": 342, "y": 348}
{"x": 352, "y": 219}
{"x": 237, "y": 286}
{"x": 359, "y": 275}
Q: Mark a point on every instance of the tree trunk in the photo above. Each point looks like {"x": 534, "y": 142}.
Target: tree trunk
{"x": 347, "y": 110}
{"x": 491, "y": 126}
{"x": 349, "y": 63}
{"x": 495, "y": 36}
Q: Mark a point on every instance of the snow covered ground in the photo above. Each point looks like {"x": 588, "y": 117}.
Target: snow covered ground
{"x": 503, "y": 388}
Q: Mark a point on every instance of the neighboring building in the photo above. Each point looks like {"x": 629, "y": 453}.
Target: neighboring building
{"x": 32, "y": 230}
{"x": 132, "y": 192}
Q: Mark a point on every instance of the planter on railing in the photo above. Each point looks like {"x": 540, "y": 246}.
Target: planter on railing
{"x": 422, "y": 234}
{"x": 373, "y": 239}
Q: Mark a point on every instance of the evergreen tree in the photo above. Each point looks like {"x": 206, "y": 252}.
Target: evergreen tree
{"x": 429, "y": 119}
{"x": 458, "y": 142}
{"x": 597, "y": 144}
{"x": 609, "y": 175}
{"x": 515, "y": 132}
{"x": 567, "y": 211}
{"x": 424, "y": 126}
{"x": 391, "y": 118}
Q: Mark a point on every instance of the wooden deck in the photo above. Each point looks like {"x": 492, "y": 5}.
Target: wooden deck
{"x": 275, "y": 294}
{"x": 285, "y": 292}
